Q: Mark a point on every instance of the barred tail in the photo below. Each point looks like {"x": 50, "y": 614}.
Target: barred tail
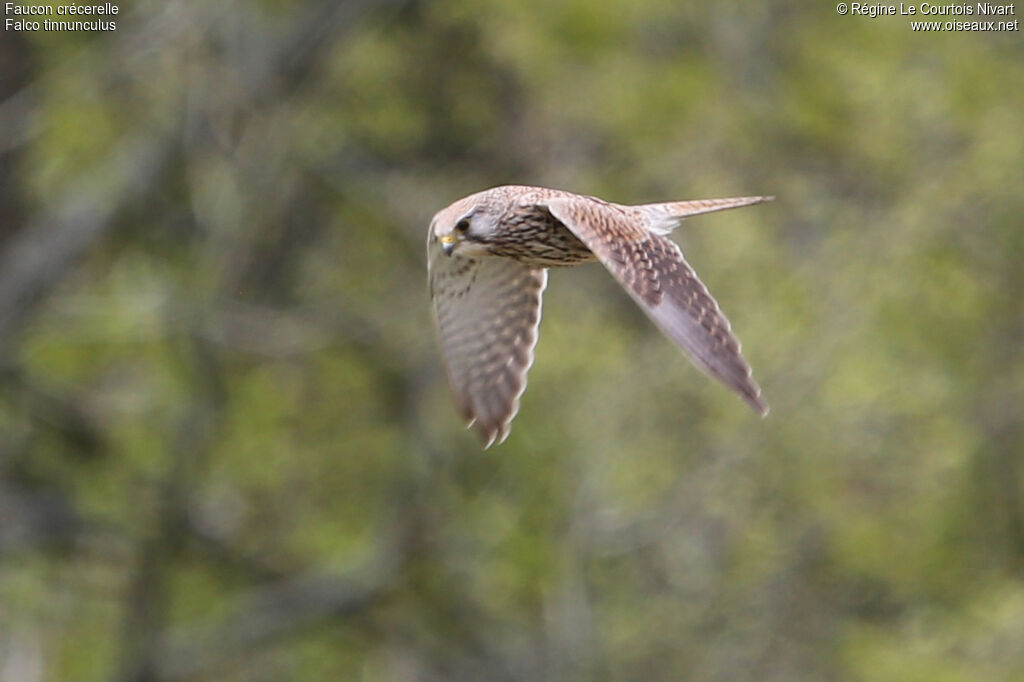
{"x": 663, "y": 218}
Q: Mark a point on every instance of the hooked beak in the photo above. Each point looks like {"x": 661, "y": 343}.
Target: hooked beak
{"x": 448, "y": 244}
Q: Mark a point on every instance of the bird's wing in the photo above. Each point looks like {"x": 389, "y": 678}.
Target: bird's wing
{"x": 487, "y": 311}
{"x": 652, "y": 269}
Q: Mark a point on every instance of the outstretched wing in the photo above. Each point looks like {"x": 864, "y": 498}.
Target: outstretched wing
{"x": 652, "y": 269}
{"x": 487, "y": 312}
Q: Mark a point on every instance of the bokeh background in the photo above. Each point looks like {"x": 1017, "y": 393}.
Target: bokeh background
{"x": 227, "y": 448}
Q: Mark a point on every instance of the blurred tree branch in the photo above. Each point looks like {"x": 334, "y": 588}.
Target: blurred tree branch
{"x": 15, "y": 73}
{"x": 50, "y": 410}
{"x": 278, "y": 610}
{"x": 158, "y": 554}
{"x": 38, "y": 255}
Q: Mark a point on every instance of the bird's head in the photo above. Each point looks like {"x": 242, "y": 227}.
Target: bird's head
{"x": 466, "y": 227}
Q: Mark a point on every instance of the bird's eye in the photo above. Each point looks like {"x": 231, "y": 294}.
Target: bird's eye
{"x": 462, "y": 225}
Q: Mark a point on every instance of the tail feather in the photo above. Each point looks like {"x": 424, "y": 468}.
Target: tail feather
{"x": 665, "y": 217}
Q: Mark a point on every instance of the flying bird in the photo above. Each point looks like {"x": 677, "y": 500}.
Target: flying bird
{"x": 488, "y": 255}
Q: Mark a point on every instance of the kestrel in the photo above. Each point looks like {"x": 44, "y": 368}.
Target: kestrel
{"x": 488, "y": 255}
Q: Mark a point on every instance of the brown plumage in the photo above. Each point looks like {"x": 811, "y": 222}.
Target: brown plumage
{"x": 487, "y": 258}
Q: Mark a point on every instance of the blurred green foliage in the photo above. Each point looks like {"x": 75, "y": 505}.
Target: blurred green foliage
{"x": 227, "y": 450}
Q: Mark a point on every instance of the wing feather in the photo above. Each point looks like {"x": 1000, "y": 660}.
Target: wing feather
{"x": 488, "y": 311}
{"x": 652, "y": 269}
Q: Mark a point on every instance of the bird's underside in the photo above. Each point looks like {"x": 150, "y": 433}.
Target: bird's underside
{"x": 488, "y": 255}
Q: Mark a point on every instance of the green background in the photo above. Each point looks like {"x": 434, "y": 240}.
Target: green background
{"x": 227, "y": 448}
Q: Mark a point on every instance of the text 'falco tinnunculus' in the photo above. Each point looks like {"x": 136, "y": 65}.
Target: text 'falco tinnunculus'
{"x": 488, "y": 255}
